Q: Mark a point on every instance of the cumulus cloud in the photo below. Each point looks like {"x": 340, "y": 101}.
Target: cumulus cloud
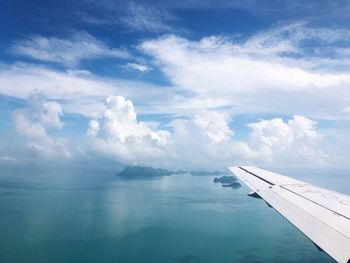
{"x": 272, "y": 142}
{"x": 33, "y": 122}
{"x": 203, "y": 139}
{"x": 286, "y": 140}
{"x": 215, "y": 126}
{"x": 184, "y": 143}
{"x": 118, "y": 133}
{"x": 69, "y": 52}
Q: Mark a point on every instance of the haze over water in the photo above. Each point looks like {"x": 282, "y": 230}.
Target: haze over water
{"x": 98, "y": 217}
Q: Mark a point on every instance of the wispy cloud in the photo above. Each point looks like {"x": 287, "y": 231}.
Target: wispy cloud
{"x": 69, "y": 52}
{"x": 6, "y": 158}
{"x": 272, "y": 71}
{"x": 96, "y": 20}
{"x": 267, "y": 72}
{"x": 79, "y": 91}
{"x": 139, "y": 67}
{"x": 147, "y": 18}
{"x": 298, "y": 37}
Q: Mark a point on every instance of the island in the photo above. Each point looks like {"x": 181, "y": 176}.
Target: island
{"x": 130, "y": 172}
{"x": 227, "y": 181}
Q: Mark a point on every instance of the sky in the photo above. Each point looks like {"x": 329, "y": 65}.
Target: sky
{"x": 175, "y": 84}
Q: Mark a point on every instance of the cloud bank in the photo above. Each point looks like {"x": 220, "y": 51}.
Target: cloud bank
{"x": 204, "y": 139}
{"x": 211, "y": 83}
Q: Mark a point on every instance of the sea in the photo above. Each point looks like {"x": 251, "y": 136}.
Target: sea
{"x": 53, "y": 216}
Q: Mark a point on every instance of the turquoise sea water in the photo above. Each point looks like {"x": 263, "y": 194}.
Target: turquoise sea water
{"x": 98, "y": 217}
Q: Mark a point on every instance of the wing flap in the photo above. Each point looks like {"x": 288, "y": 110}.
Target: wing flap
{"x": 336, "y": 202}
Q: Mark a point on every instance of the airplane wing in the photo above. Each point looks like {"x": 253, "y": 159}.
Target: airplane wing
{"x": 322, "y": 215}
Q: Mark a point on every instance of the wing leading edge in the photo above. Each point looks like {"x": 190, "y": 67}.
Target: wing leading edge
{"x": 322, "y": 215}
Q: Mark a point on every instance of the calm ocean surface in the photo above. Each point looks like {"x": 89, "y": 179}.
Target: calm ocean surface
{"x": 98, "y": 217}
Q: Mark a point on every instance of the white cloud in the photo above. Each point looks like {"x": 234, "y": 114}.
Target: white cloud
{"x": 292, "y": 140}
{"x": 139, "y": 67}
{"x": 271, "y": 133}
{"x": 295, "y": 142}
{"x": 212, "y": 80}
{"x": 211, "y": 65}
{"x": 32, "y": 123}
{"x": 275, "y": 142}
{"x": 79, "y": 91}
{"x": 346, "y": 109}
{"x": 188, "y": 143}
{"x": 243, "y": 76}
{"x": 96, "y": 20}
{"x": 94, "y": 128}
{"x": 146, "y": 18}
{"x": 291, "y": 38}
{"x": 215, "y": 126}
{"x": 69, "y": 52}
{"x": 204, "y": 139}
{"x": 6, "y": 158}
{"x": 118, "y": 133}
{"x": 269, "y": 72}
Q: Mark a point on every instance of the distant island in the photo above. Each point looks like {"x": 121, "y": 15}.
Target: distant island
{"x": 137, "y": 172}
{"x": 144, "y": 172}
{"x": 227, "y": 181}
{"x": 208, "y": 173}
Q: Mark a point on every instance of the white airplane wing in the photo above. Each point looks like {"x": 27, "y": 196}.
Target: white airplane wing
{"x": 322, "y": 215}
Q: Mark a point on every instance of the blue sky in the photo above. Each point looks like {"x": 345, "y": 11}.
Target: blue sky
{"x": 196, "y": 84}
